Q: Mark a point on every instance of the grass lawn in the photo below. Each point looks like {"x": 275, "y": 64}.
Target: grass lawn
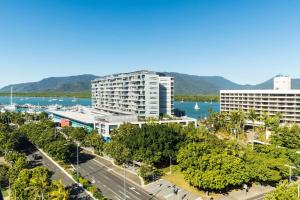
{"x": 5, "y": 193}
{"x": 177, "y": 178}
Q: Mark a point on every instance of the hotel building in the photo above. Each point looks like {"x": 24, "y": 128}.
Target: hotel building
{"x": 141, "y": 93}
{"x": 132, "y": 98}
{"x": 282, "y": 99}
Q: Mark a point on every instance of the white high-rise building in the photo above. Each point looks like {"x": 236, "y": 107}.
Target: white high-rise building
{"x": 282, "y": 83}
{"x": 141, "y": 93}
{"x": 282, "y": 99}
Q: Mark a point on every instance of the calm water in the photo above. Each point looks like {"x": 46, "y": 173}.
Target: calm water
{"x": 188, "y": 107}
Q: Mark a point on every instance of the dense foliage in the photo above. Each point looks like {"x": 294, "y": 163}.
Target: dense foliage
{"x": 36, "y": 184}
{"x": 287, "y": 136}
{"x": 3, "y": 176}
{"x": 212, "y": 164}
{"x": 44, "y": 135}
{"x": 284, "y": 191}
{"x": 151, "y": 144}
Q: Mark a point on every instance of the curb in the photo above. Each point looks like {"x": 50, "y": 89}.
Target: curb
{"x": 62, "y": 169}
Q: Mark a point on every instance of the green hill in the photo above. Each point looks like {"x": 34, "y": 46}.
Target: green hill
{"x": 184, "y": 84}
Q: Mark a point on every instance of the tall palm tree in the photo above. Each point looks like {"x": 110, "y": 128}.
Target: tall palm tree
{"x": 253, "y": 117}
{"x": 58, "y": 191}
{"x": 40, "y": 182}
{"x": 237, "y": 119}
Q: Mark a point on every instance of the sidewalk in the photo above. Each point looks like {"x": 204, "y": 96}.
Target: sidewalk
{"x": 255, "y": 192}
{"x": 164, "y": 189}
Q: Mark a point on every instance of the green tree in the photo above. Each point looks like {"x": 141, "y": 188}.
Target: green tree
{"x": 118, "y": 151}
{"x": 58, "y": 192}
{"x": 252, "y": 116}
{"x": 284, "y": 191}
{"x": 4, "y": 176}
{"x": 210, "y": 168}
{"x": 287, "y": 136}
{"x": 39, "y": 183}
{"x": 237, "y": 120}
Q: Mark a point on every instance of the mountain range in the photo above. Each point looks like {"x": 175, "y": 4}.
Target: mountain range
{"x": 184, "y": 84}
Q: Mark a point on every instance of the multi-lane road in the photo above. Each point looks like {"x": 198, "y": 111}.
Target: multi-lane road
{"x": 111, "y": 184}
{"x": 76, "y": 192}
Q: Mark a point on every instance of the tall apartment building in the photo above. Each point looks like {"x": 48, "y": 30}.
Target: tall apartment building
{"x": 282, "y": 99}
{"x": 142, "y": 93}
{"x": 166, "y": 95}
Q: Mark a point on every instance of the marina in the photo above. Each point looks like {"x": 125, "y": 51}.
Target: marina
{"x": 41, "y": 103}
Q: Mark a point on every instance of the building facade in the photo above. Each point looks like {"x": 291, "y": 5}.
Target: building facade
{"x": 282, "y": 99}
{"x": 140, "y": 93}
{"x": 166, "y": 95}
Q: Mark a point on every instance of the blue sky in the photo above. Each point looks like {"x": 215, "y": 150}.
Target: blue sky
{"x": 246, "y": 41}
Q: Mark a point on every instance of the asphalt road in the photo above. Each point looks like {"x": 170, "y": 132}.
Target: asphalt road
{"x": 111, "y": 184}
{"x": 76, "y": 193}
{"x": 258, "y": 197}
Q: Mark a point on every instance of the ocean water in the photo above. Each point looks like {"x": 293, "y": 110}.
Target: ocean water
{"x": 188, "y": 107}
{"x": 45, "y": 101}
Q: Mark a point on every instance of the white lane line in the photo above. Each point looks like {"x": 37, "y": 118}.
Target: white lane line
{"x": 116, "y": 194}
{"x": 123, "y": 194}
{"x": 169, "y": 195}
{"x": 133, "y": 189}
{"x": 118, "y": 175}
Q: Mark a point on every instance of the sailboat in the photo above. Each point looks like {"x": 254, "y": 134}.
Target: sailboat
{"x": 12, "y": 107}
{"x": 74, "y": 99}
{"x": 181, "y": 101}
{"x": 196, "y": 107}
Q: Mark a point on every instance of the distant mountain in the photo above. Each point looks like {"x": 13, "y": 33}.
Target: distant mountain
{"x": 184, "y": 84}
{"x": 79, "y": 83}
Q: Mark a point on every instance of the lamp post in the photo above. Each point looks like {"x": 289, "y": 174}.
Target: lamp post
{"x": 77, "y": 145}
{"x": 124, "y": 181}
{"x": 290, "y": 176}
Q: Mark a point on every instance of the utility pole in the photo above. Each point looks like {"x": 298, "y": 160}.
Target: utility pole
{"x": 290, "y": 173}
{"x": 290, "y": 176}
{"x": 77, "y": 159}
{"x": 124, "y": 181}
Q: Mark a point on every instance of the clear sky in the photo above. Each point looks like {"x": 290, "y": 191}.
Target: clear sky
{"x": 246, "y": 41}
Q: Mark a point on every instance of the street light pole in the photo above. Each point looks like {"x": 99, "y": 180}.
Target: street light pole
{"x": 124, "y": 182}
{"x": 290, "y": 176}
{"x": 290, "y": 173}
{"x": 77, "y": 158}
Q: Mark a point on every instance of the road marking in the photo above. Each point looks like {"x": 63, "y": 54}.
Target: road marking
{"x": 133, "y": 189}
{"x": 123, "y": 194}
{"x": 169, "y": 195}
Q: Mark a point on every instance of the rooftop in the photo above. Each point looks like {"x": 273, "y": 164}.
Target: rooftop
{"x": 262, "y": 91}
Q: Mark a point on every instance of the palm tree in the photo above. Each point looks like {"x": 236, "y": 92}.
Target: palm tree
{"x": 58, "y": 191}
{"x": 237, "y": 119}
{"x": 40, "y": 182}
{"x": 252, "y": 116}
